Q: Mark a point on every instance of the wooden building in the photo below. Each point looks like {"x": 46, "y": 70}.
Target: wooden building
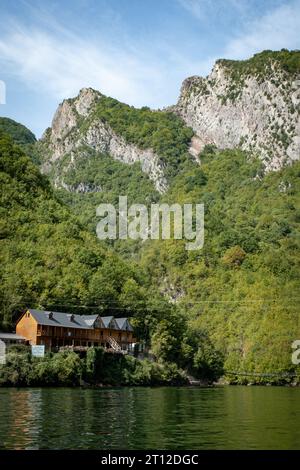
{"x": 58, "y": 329}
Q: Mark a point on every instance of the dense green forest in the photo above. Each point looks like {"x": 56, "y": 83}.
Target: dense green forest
{"x": 242, "y": 288}
{"x": 17, "y": 131}
{"x": 107, "y": 179}
{"x": 231, "y": 307}
{"x": 21, "y": 136}
{"x": 49, "y": 259}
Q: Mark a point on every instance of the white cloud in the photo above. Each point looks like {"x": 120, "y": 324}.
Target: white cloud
{"x": 197, "y": 8}
{"x": 209, "y": 9}
{"x": 275, "y": 30}
{"x": 60, "y": 63}
{"x": 54, "y": 60}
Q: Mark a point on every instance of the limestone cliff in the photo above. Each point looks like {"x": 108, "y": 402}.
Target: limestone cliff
{"x": 250, "y": 104}
{"x": 74, "y": 127}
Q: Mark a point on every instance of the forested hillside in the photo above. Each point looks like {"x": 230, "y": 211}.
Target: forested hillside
{"x": 48, "y": 259}
{"x": 242, "y": 288}
{"x": 17, "y": 131}
{"x": 232, "y": 306}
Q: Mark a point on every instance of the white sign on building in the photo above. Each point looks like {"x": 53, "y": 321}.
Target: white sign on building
{"x": 2, "y": 352}
{"x": 38, "y": 351}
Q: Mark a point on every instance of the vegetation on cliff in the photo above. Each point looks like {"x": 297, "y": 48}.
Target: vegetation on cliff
{"x": 242, "y": 288}
{"x": 49, "y": 260}
{"x": 230, "y": 308}
{"x": 164, "y": 132}
{"x": 98, "y": 178}
{"x": 261, "y": 63}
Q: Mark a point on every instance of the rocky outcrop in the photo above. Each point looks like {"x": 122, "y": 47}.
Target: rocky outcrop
{"x": 101, "y": 137}
{"x": 257, "y": 112}
{"x": 76, "y": 188}
{"x": 253, "y": 105}
{"x": 74, "y": 126}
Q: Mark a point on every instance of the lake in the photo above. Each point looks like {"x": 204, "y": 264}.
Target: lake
{"x": 150, "y": 418}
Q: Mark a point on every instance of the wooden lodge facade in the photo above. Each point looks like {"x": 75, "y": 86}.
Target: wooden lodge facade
{"x": 57, "y": 329}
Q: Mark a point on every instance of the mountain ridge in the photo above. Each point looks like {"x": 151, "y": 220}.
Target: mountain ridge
{"x": 252, "y": 104}
{"x": 238, "y": 296}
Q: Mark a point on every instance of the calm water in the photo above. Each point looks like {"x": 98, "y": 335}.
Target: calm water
{"x": 150, "y": 418}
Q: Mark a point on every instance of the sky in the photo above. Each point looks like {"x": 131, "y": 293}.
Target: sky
{"x": 138, "y": 51}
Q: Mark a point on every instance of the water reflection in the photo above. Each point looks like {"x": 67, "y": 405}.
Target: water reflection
{"x": 145, "y": 418}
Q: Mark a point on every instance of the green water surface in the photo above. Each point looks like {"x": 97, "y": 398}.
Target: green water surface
{"x": 150, "y": 418}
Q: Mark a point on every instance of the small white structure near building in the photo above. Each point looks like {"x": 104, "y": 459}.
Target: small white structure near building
{"x": 2, "y": 352}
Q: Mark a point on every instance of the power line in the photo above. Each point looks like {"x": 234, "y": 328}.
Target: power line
{"x": 190, "y": 302}
{"x": 267, "y": 374}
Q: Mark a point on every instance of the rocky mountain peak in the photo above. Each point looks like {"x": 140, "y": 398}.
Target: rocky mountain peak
{"x": 85, "y": 100}
{"x": 74, "y": 127}
{"x": 250, "y": 104}
{"x": 68, "y": 112}
{"x": 253, "y": 105}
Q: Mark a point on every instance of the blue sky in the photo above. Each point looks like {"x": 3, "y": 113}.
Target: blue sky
{"x": 138, "y": 51}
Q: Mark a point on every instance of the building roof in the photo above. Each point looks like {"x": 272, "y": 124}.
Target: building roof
{"x": 89, "y": 319}
{"x": 106, "y": 321}
{"x": 10, "y": 336}
{"x": 45, "y": 317}
{"x": 123, "y": 324}
{"x": 68, "y": 320}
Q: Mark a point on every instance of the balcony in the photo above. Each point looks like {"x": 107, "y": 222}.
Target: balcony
{"x": 42, "y": 332}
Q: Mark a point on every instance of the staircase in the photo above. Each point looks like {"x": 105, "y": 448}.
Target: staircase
{"x": 113, "y": 343}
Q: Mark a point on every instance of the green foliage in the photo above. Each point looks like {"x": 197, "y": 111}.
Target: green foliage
{"x": 234, "y": 256}
{"x": 17, "y": 369}
{"x": 166, "y": 338}
{"x": 47, "y": 258}
{"x": 242, "y": 288}
{"x": 21, "y": 136}
{"x": 116, "y": 369}
{"x": 98, "y": 367}
{"x": 21, "y": 369}
{"x": 164, "y": 132}
{"x": 105, "y": 179}
{"x": 200, "y": 356}
{"x": 262, "y": 66}
{"x": 260, "y": 63}
{"x": 19, "y": 133}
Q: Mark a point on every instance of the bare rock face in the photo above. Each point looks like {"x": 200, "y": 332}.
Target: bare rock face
{"x": 73, "y": 127}
{"x": 101, "y": 137}
{"x": 258, "y": 112}
{"x": 253, "y": 105}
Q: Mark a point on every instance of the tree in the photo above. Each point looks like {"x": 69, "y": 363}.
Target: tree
{"x": 234, "y": 257}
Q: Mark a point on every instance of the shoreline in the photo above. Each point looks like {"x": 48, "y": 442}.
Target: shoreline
{"x": 110, "y": 386}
